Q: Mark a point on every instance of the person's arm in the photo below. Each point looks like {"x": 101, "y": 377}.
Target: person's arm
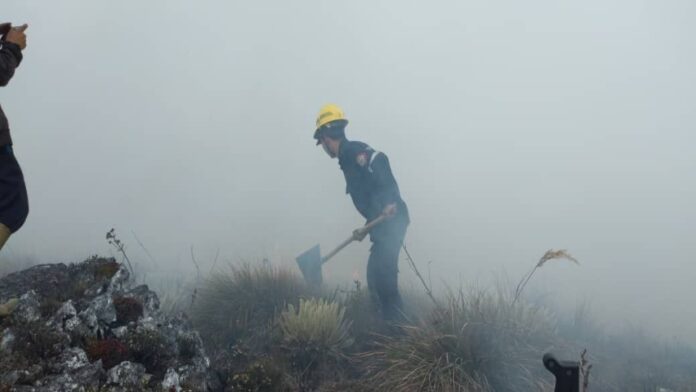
{"x": 4, "y": 29}
{"x": 386, "y": 189}
{"x": 11, "y": 53}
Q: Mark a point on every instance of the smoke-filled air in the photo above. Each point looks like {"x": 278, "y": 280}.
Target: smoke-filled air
{"x": 348, "y": 196}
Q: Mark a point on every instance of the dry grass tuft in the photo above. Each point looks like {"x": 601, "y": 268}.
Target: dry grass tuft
{"x": 550, "y": 254}
{"x": 479, "y": 342}
{"x": 244, "y": 302}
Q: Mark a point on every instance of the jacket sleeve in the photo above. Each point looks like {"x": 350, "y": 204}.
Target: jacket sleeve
{"x": 386, "y": 188}
{"x": 10, "y": 57}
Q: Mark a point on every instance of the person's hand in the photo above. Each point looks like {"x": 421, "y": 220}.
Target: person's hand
{"x": 17, "y": 36}
{"x": 359, "y": 234}
{"x": 389, "y": 210}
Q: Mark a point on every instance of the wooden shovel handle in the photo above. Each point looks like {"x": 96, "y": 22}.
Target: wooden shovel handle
{"x": 375, "y": 222}
{"x": 352, "y": 238}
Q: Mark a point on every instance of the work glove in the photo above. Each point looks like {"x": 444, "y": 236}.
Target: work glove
{"x": 359, "y": 234}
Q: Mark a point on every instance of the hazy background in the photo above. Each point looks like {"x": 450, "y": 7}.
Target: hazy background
{"x": 512, "y": 127}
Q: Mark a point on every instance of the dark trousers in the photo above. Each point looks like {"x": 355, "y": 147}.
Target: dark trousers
{"x": 14, "y": 204}
{"x": 383, "y": 270}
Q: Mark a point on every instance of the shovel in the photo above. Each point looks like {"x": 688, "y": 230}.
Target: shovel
{"x": 310, "y": 262}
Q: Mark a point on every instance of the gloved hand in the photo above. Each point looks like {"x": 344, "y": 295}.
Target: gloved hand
{"x": 359, "y": 234}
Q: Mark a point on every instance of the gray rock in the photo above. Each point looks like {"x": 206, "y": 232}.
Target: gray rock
{"x": 89, "y": 377}
{"x": 99, "y": 315}
{"x": 65, "y": 350}
{"x": 10, "y": 378}
{"x": 69, "y": 360}
{"x": 31, "y": 374}
{"x": 149, "y": 300}
{"x": 66, "y": 317}
{"x": 104, "y": 308}
{"x": 127, "y": 375}
{"x": 191, "y": 345}
{"x": 61, "y": 282}
{"x": 45, "y": 279}
{"x": 60, "y": 383}
{"x": 6, "y": 341}
{"x": 149, "y": 323}
{"x": 28, "y": 308}
{"x": 119, "y": 282}
{"x": 171, "y": 381}
{"x": 120, "y": 332}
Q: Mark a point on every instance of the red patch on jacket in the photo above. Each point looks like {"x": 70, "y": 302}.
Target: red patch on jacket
{"x": 363, "y": 158}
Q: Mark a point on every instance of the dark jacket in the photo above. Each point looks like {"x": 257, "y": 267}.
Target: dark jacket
{"x": 371, "y": 185}
{"x": 10, "y": 57}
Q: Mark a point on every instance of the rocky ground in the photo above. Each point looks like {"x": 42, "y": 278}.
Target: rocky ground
{"x": 88, "y": 327}
{"x": 83, "y": 327}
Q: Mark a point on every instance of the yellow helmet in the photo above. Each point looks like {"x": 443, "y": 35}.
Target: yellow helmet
{"x": 329, "y": 113}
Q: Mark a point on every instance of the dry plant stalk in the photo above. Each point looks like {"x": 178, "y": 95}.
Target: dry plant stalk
{"x": 585, "y": 367}
{"x": 549, "y": 255}
{"x": 147, "y": 252}
{"x": 198, "y": 277}
{"x": 113, "y": 240}
{"x": 412, "y": 264}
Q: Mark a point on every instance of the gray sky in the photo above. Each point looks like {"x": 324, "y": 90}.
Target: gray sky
{"x": 512, "y": 127}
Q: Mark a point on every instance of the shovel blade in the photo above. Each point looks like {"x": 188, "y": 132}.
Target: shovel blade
{"x": 310, "y": 266}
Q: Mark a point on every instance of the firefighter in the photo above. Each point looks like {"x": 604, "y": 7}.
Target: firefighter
{"x": 374, "y": 191}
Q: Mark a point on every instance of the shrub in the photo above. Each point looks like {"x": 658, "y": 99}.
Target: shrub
{"x": 127, "y": 310}
{"x": 261, "y": 376}
{"x": 152, "y": 350}
{"x": 110, "y": 351}
{"x": 106, "y": 270}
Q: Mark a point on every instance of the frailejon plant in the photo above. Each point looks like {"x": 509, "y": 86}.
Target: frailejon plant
{"x": 316, "y": 335}
{"x": 318, "y": 323}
